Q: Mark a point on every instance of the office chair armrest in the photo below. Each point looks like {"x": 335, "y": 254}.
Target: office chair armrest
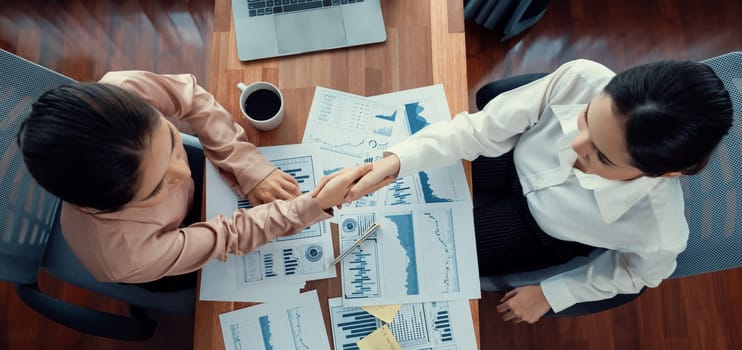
{"x": 592, "y": 307}
{"x": 86, "y": 320}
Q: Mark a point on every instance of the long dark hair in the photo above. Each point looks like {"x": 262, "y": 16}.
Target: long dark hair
{"x": 676, "y": 114}
{"x": 84, "y": 143}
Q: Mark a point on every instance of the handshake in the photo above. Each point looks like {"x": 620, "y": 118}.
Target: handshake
{"x": 351, "y": 184}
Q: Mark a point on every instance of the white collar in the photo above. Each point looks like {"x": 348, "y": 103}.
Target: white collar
{"x": 614, "y": 197}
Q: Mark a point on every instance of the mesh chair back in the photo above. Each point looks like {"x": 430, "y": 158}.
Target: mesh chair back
{"x": 27, "y": 212}
{"x": 711, "y": 199}
{"x": 30, "y": 226}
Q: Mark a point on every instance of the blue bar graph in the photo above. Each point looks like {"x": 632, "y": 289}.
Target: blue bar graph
{"x": 300, "y": 168}
{"x": 400, "y": 193}
{"x": 268, "y": 265}
{"x": 384, "y": 131}
{"x": 290, "y": 262}
{"x": 416, "y": 326}
{"x": 243, "y": 204}
{"x": 352, "y": 324}
{"x": 300, "y": 178}
{"x": 362, "y": 271}
{"x": 442, "y": 326}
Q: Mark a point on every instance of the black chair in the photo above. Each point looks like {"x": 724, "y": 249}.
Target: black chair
{"x": 509, "y": 16}
{"x": 30, "y": 233}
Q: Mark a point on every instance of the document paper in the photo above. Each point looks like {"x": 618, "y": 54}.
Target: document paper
{"x": 294, "y": 323}
{"x": 280, "y": 266}
{"x": 423, "y": 106}
{"x": 420, "y": 253}
{"x": 353, "y": 130}
{"x": 445, "y": 325}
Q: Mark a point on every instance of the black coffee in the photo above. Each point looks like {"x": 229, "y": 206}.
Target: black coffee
{"x": 262, "y": 104}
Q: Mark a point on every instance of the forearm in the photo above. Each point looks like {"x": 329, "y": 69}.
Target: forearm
{"x": 609, "y": 274}
{"x": 224, "y": 141}
{"x": 449, "y": 142}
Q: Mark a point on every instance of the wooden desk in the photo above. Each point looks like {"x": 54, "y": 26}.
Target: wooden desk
{"x": 425, "y": 45}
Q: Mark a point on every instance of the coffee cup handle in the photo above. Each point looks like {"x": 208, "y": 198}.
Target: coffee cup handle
{"x": 241, "y": 86}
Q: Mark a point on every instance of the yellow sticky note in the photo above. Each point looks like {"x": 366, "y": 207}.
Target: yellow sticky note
{"x": 380, "y": 339}
{"x": 385, "y": 313}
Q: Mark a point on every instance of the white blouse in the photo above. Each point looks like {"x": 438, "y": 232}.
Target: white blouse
{"x": 641, "y": 222}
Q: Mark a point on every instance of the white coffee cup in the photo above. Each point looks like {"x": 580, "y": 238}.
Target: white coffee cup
{"x": 262, "y": 104}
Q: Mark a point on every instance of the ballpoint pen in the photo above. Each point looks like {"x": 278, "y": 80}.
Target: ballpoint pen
{"x": 358, "y": 242}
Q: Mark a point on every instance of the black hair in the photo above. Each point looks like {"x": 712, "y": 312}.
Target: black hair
{"x": 84, "y": 143}
{"x": 676, "y": 114}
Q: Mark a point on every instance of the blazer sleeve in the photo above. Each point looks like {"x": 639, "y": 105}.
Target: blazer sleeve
{"x": 611, "y": 273}
{"x": 148, "y": 251}
{"x": 180, "y": 97}
{"x": 497, "y": 127}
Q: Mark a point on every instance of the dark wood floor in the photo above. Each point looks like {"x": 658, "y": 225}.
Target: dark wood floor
{"x": 84, "y": 39}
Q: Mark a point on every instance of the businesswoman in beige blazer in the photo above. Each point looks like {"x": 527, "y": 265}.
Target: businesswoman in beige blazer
{"x": 110, "y": 152}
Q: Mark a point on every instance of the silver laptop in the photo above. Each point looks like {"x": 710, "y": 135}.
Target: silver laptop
{"x": 270, "y": 28}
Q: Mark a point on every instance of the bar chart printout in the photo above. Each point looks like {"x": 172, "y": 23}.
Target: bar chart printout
{"x": 421, "y": 108}
{"x": 287, "y": 260}
{"x": 351, "y": 324}
{"x": 361, "y": 265}
{"x": 301, "y": 168}
{"x": 417, "y": 326}
{"x": 294, "y": 323}
{"x": 420, "y": 253}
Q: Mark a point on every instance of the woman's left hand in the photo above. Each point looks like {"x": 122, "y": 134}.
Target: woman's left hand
{"x": 524, "y": 304}
{"x": 277, "y": 185}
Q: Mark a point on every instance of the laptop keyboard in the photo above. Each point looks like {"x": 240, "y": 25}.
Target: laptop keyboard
{"x": 269, "y": 7}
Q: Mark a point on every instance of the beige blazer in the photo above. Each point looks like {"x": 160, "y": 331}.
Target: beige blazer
{"x": 144, "y": 244}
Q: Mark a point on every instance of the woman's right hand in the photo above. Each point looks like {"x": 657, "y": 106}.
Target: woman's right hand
{"x": 331, "y": 190}
{"x": 385, "y": 171}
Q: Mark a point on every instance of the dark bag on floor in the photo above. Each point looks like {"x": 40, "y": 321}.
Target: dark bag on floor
{"x": 509, "y": 16}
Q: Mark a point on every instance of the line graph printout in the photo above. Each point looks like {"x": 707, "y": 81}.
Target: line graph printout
{"x": 421, "y": 253}
{"x": 422, "y": 107}
{"x": 437, "y": 325}
{"x": 439, "y": 185}
{"x": 292, "y": 324}
{"x": 350, "y": 130}
{"x": 290, "y": 260}
{"x": 349, "y": 125}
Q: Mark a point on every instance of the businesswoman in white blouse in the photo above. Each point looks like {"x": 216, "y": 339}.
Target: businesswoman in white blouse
{"x": 578, "y": 159}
